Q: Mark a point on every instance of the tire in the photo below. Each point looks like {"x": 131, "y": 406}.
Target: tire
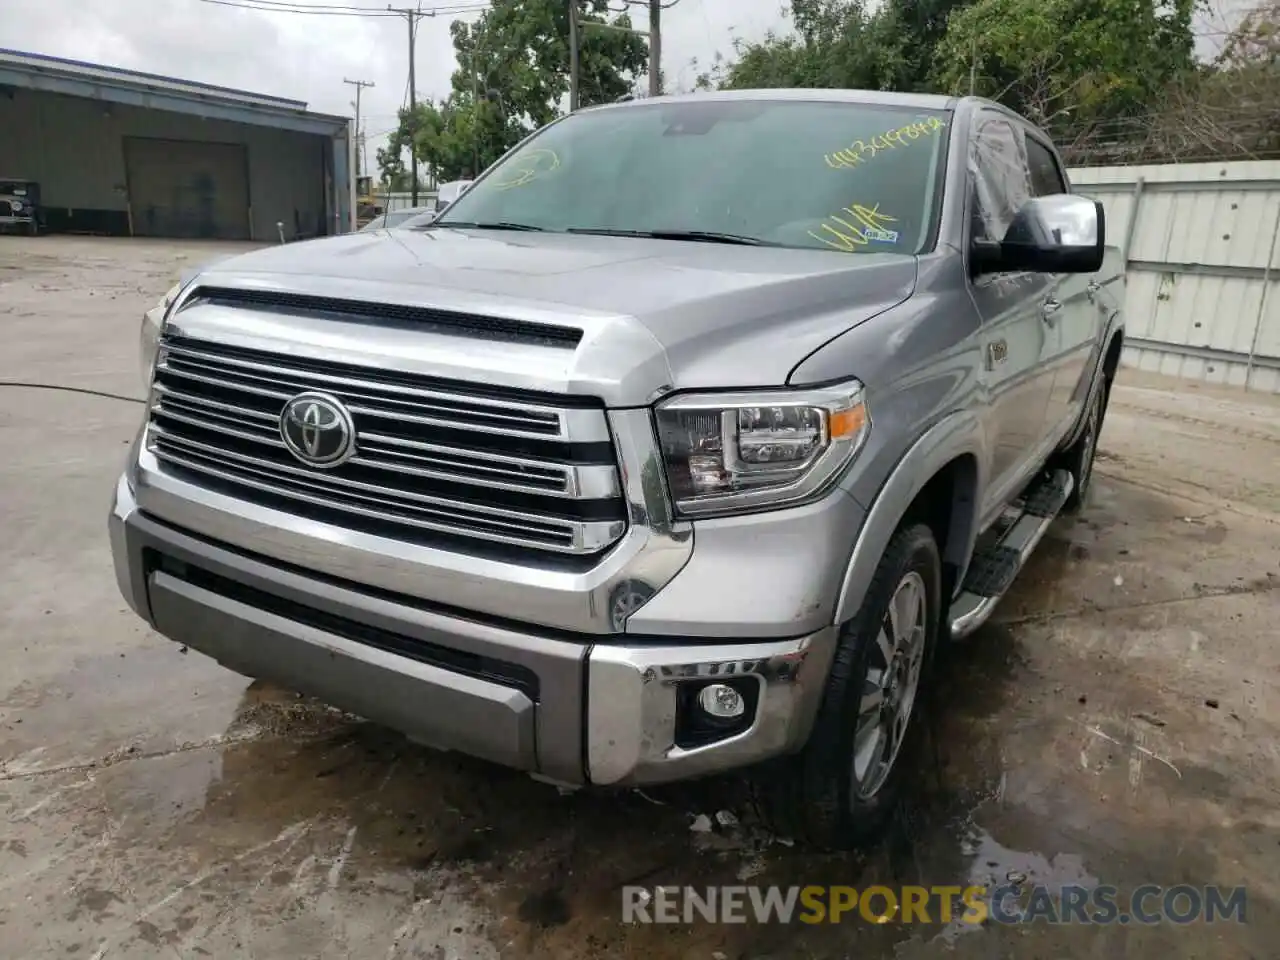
{"x": 830, "y": 795}
{"x": 1079, "y": 457}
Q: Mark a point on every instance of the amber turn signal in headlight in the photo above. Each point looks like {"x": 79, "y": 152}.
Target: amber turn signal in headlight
{"x": 727, "y": 453}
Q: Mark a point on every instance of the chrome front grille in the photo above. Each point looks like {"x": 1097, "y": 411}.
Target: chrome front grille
{"x": 435, "y": 462}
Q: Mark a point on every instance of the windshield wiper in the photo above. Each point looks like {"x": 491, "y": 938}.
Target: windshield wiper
{"x": 488, "y": 225}
{"x": 700, "y": 236}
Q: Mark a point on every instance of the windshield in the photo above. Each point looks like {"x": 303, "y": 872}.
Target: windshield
{"x": 852, "y": 177}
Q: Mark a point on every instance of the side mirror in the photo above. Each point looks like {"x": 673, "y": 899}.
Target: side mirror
{"x": 1062, "y": 233}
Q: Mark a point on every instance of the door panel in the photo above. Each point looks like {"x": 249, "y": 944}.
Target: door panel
{"x": 1017, "y": 341}
{"x": 186, "y": 188}
{"x": 1073, "y": 319}
{"x": 1074, "y": 345}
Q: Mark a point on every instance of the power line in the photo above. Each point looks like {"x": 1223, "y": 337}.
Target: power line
{"x": 297, "y": 4}
{"x": 238, "y": 4}
{"x": 325, "y": 10}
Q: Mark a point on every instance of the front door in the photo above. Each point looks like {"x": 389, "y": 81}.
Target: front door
{"x": 1071, "y": 312}
{"x": 1016, "y": 340}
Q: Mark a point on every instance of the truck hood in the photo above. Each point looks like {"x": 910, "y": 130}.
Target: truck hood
{"x": 654, "y": 314}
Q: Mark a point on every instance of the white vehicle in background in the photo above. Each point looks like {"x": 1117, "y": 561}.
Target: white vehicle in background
{"x": 450, "y": 192}
{"x": 397, "y": 218}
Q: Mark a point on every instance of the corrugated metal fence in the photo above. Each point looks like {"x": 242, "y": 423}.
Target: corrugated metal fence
{"x": 1200, "y": 241}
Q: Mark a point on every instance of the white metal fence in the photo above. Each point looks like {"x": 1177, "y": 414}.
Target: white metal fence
{"x": 1200, "y": 243}
{"x": 404, "y": 201}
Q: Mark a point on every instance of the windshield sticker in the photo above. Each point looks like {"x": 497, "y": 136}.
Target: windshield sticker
{"x": 532, "y": 165}
{"x": 883, "y": 236}
{"x": 869, "y": 224}
{"x": 860, "y": 151}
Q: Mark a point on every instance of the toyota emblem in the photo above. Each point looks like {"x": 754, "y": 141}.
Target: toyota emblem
{"x": 318, "y": 430}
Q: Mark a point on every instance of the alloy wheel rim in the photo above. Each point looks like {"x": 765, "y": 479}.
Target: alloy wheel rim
{"x": 889, "y": 687}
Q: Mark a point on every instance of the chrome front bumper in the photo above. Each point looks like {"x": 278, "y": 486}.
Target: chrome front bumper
{"x": 575, "y": 708}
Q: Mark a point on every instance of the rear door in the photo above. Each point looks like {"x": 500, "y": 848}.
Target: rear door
{"x": 1015, "y": 338}
{"x": 1070, "y": 310}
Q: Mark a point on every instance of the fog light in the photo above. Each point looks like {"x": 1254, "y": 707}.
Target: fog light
{"x": 722, "y": 701}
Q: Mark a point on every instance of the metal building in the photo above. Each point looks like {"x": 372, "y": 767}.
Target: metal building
{"x": 133, "y": 154}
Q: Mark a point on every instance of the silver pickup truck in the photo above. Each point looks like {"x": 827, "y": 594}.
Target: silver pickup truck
{"x": 679, "y": 444}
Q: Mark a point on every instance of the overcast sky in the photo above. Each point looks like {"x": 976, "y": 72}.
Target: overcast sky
{"x": 305, "y": 57}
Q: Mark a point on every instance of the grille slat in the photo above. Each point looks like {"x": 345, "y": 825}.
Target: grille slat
{"x": 167, "y": 413}
{"x": 515, "y": 533}
{"x": 343, "y": 484}
{"x": 427, "y": 459}
{"x": 182, "y": 373}
{"x": 215, "y": 405}
{"x": 381, "y": 398}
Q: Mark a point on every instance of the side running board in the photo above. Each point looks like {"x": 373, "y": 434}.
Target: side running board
{"x": 994, "y": 568}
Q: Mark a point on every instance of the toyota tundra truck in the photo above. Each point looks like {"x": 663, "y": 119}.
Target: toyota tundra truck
{"x": 681, "y": 443}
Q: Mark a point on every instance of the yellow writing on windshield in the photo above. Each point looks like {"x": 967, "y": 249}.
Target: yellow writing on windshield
{"x": 860, "y": 151}
{"x": 526, "y": 168}
{"x": 869, "y": 225}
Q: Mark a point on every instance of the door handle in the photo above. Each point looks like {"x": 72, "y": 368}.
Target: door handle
{"x": 1091, "y": 290}
{"x": 1049, "y": 309}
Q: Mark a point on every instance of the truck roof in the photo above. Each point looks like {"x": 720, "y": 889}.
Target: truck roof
{"x": 918, "y": 101}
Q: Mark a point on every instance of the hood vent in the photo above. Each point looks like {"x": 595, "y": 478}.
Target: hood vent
{"x": 424, "y": 318}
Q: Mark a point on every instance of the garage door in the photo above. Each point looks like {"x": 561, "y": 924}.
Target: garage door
{"x": 184, "y": 188}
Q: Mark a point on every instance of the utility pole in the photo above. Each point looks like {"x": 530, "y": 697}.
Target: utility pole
{"x": 412, "y": 16}
{"x": 413, "y": 110}
{"x": 573, "y": 55}
{"x": 973, "y": 65}
{"x": 475, "y": 104}
{"x": 653, "y": 35}
{"x": 655, "y": 48}
{"x": 359, "y": 85}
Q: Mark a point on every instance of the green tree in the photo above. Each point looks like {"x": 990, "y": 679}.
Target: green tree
{"x": 390, "y": 158}
{"x": 1067, "y": 63}
{"x": 512, "y": 78}
{"x": 1229, "y": 109}
{"x": 841, "y": 44}
{"x": 1064, "y": 63}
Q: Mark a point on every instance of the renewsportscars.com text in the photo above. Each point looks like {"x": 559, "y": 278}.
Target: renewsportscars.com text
{"x": 1012, "y": 904}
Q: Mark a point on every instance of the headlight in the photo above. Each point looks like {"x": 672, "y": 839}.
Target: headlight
{"x": 152, "y": 326}
{"x": 729, "y": 453}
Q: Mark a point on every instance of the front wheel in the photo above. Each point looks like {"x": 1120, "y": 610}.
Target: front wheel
{"x": 1079, "y": 457}
{"x": 840, "y": 791}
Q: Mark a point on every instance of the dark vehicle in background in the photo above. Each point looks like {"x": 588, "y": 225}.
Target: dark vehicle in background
{"x": 19, "y": 205}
